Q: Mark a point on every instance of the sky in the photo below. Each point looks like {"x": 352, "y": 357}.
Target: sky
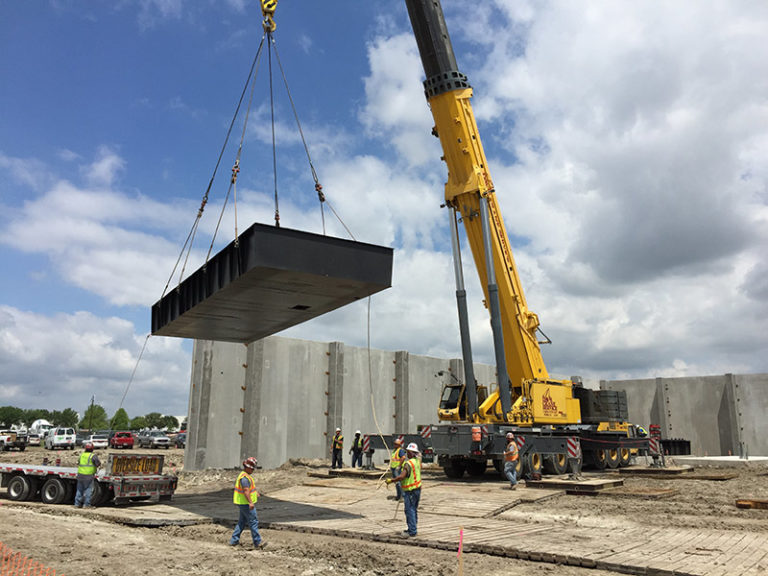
{"x": 627, "y": 142}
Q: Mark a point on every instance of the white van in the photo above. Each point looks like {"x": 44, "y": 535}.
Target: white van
{"x": 60, "y": 438}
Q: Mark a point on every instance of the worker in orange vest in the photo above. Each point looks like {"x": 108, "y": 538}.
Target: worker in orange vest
{"x": 510, "y": 460}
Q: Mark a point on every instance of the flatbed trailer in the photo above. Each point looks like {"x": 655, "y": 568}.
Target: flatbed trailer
{"x": 125, "y": 478}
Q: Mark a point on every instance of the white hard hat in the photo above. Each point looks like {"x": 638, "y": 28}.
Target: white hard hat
{"x": 338, "y": 429}
{"x": 510, "y": 435}
{"x": 412, "y": 447}
{"x": 357, "y": 432}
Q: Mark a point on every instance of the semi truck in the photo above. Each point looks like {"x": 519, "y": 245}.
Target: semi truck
{"x": 124, "y": 479}
{"x": 558, "y": 423}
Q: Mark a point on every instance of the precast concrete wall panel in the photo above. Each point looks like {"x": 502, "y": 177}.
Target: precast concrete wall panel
{"x": 291, "y": 413}
{"x": 692, "y": 409}
{"x": 642, "y": 401}
{"x": 367, "y": 387}
{"x": 751, "y": 407}
{"x": 424, "y": 389}
{"x": 224, "y": 379}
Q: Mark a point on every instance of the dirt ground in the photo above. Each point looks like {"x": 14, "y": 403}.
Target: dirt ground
{"x": 71, "y": 542}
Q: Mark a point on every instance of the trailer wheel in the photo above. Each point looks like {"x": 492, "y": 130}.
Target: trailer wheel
{"x": 477, "y": 467}
{"x": 625, "y": 455}
{"x": 19, "y": 488}
{"x": 22, "y": 448}
{"x": 532, "y": 463}
{"x": 100, "y": 494}
{"x": 53, "y": 491}
{"x": 556, "y": 463}
{"x": 454, "y": 468}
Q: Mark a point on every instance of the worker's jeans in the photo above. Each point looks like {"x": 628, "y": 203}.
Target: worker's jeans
{"x": 84, "y": 491}
{"x": 411, "y": 503}
{"x": 336, "y": 458}
{"x": 510, "y": 471}
{"x": 357, "y": 457}
{"x": 395, "y": 474}
{"x": 248, "y": 519}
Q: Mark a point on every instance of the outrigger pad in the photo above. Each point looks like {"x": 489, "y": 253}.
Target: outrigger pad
{"x": 269, "y": 280}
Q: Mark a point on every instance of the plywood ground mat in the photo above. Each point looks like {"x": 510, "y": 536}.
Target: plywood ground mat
{"x": 359, "y": 509}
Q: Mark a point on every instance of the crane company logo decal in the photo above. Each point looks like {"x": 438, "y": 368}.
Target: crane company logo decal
{"x": 548, "y": 405}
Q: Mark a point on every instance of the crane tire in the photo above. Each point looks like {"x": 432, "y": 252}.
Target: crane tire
{"x": 613, "y": 457}
{"x": 532, "y": 464}
{"x": 556, "y": 463}
{"x": 477, "y": 467}
{"x": 625, "y": 456}
{"x": 454, "y": 468}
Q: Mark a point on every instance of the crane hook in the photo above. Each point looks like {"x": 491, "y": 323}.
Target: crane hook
{"x": 268, "y": 11}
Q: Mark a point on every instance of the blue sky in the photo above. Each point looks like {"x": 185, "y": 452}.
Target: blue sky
{"x": 627, "y": 143}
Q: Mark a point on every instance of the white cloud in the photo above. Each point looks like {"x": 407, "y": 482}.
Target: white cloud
{"x": 52, "y": 362}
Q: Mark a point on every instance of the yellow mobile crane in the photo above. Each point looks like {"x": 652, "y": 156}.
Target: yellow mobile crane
{"x": 547, "y": 415}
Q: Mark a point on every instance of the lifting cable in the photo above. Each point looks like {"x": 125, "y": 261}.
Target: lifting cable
{"x": 190, "y": 237}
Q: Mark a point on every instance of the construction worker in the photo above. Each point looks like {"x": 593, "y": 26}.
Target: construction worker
{"x": 510, "y": 460}
{"x": 246, "y": 496}
{"x": 337, "y": 444}
{"x": 86, "y": 470}
{"x": 396, "y": 465}
{"x": 357, "y": 449}
{"x": 410, "y": 477}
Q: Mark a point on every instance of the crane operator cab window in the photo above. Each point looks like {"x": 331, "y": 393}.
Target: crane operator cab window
{"x": 452, "y": 395}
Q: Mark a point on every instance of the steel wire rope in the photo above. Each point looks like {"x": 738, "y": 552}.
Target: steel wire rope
{"x": 235, "y": 168}
{"x": 270, "y": 41}
{"x": 135, "y": 367}
{"x": 193, "y": 231}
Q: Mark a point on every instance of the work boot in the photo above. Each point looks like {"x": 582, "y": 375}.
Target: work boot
{"x": 261, "y": 545}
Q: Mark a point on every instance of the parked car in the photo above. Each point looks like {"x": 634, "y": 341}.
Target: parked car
{"x": 181, "y": 440}
{"x": 33, "y": 439}
{"x": 80, "y": 438}
{"x": 122, "y": 440}
{"x": 154, "y": 439}
{"x": 98, "y": 441}
{"x": 60, "y": 438}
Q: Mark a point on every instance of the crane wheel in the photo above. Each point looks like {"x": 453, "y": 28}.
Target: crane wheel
{"x": 612, "y": 458}
{"x": 625, "y": 455}
{"x": 598, "y": 458}
{"x": 454, "y": 468}
{"x": 532, "y": 463}
{"x": 555, "y": 463}
{"x": 477, "y": 467}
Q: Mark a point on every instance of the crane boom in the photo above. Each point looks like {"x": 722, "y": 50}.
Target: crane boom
{"x": 468, "y": 187}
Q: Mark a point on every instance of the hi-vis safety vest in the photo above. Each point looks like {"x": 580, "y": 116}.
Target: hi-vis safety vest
{"x": 357, "y": 443}
{"x": 239, "y": 497}
{"x": 413, "y": 477}
{"x": 338, "y": 442}
{"x": 397, "y": 458}
{"x": 510, "y": 454}
{"x": 85, "y": 464}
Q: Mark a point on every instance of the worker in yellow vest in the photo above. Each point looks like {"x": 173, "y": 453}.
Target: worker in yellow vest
{"x": 396, "y": 460}
{"x": 246, "y": 496}
{"x": 86, "y": 469}
{"x": 410, "y": 479}
{"x": 337, "y": 444}
{"x": 357, "y": 450}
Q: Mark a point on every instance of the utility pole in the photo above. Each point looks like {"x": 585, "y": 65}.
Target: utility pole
{"x": 90, "y": 419}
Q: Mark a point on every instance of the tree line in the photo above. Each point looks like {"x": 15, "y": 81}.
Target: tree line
{"x": 94, "y": 418}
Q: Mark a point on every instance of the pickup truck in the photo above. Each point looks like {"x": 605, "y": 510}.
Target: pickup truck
{"x": 10, "y": 439}
{"x": 154, "y": 439}
{"x": 121, "y": 440}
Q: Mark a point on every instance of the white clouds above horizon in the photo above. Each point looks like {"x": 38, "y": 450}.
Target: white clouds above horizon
{"x": 627, "y": 146}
